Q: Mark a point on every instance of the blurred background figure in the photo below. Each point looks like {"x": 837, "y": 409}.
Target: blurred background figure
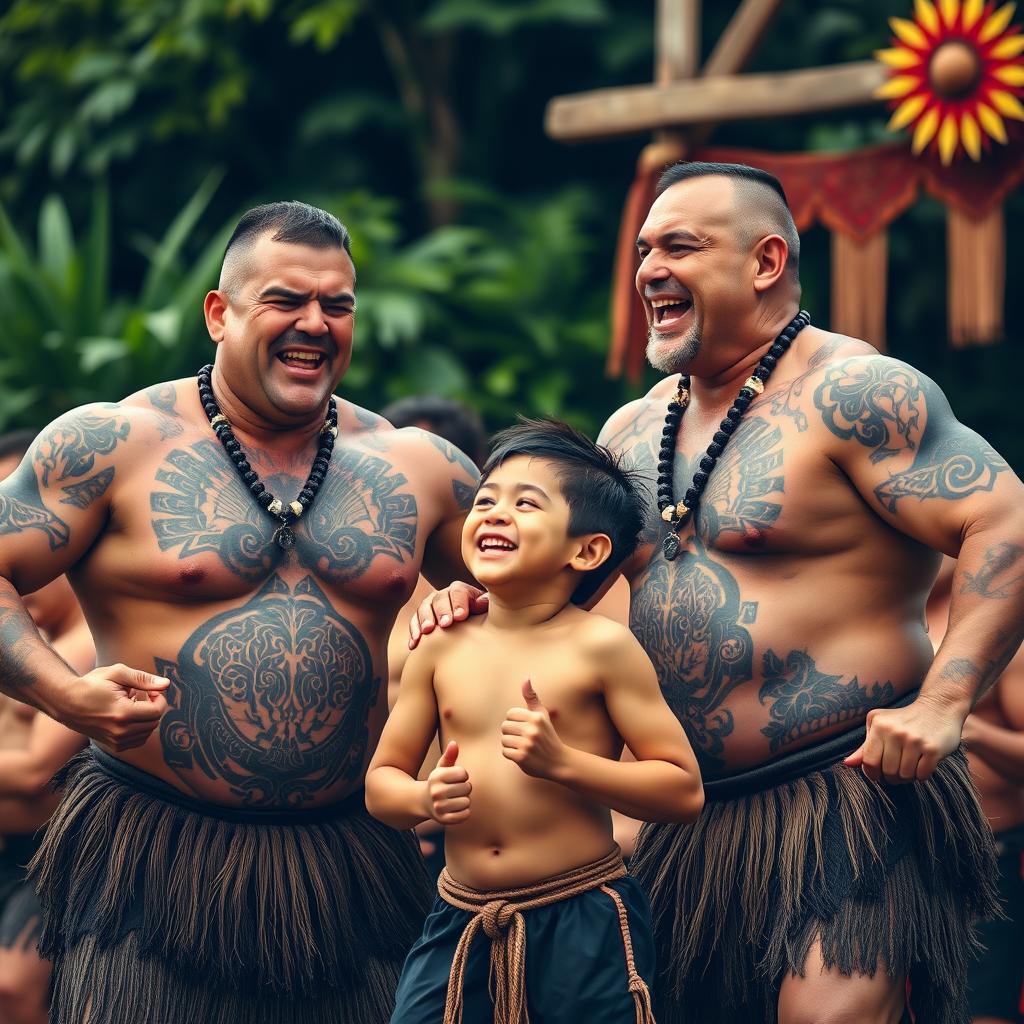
{"x": 994, "y": 736}
{"x": 33, "y": 748}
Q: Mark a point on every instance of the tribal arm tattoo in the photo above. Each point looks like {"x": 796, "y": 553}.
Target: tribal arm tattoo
{"x": 899, "y": 418}
{"x": 943, "y": 485}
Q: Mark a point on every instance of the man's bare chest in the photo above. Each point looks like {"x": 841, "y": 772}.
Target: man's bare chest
{"x": 196, "y": 531}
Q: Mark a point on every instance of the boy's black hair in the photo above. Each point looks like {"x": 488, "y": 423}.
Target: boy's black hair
{"x": 601, "y": 495}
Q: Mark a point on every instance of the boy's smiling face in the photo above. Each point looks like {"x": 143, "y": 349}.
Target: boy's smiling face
{"x": 518, "y": 527}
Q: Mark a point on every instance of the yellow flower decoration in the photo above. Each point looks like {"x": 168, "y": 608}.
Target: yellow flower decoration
{"x": 955, "y": 72}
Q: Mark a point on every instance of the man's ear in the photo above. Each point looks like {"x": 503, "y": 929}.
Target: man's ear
{"x": 771, "y": 255}
{"x": 593, "y": 550}
{"x": 215, "y": 309}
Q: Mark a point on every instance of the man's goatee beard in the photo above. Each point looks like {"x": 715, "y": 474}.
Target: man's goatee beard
{"x": 674, "y": 357}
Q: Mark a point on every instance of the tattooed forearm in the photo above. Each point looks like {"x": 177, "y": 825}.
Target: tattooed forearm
{"x": 273, "y": 697}
{"x": 17, "y": 630}
{"x": 1001, "y": 574}
{"x": 804, "y": 700}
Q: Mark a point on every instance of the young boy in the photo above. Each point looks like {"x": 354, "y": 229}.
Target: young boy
{"x": 533, "y": 702}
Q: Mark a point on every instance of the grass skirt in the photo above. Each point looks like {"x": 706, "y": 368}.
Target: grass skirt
{"x": 163, "y": 909}
{"x": 887, "y": 877}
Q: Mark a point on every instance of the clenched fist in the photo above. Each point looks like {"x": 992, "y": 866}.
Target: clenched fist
{"x": 448, "y": 789}
{"x": 529, "y": 738}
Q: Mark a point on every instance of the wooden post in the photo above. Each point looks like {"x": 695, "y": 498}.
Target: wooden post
{"x": 677, "y": 50}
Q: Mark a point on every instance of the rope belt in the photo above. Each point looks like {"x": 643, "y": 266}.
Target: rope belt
{"x": 500, "y": 914}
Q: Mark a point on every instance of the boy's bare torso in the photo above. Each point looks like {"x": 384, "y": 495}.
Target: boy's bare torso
{"x": 521, "y": 828}
{"x": 276, "y": 658}
{"x": 793, "y": 607}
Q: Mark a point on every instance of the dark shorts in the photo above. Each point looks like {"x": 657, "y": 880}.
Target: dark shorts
{"x": 575, "y": 962}
{"x": 996, "y": 979}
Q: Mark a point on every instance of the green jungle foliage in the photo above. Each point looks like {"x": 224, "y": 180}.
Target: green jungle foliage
{"x": 136, "y": 131}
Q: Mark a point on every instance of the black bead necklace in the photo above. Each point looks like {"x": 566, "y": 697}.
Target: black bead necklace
{"x": 284, "y": 535}
{"x": 676, "y": 513}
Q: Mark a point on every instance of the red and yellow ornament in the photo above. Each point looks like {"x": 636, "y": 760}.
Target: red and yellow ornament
{"x": 956, "y": 71}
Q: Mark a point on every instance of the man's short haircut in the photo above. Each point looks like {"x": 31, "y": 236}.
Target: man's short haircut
{"x": 17, "y": 442}
{"x": 454, "y": 422}
{"x": 765, "y": 206}
{"x": 291, "y": 221}
{"x": 602, "y": 496}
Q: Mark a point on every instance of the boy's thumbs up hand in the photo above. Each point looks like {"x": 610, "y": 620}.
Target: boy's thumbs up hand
{"x": 448, "y": 789}
{"x": 529, "y": 738}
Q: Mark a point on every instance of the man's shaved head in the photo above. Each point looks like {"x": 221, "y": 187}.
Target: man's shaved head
{"x": 761, "y": 202}
{"x": 291, "y": 222}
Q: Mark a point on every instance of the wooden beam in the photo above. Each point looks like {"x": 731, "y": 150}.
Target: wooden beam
{"x": 677, "y": 40}
{"x": 737, "y": 43}
{"x": 639, "y": 108}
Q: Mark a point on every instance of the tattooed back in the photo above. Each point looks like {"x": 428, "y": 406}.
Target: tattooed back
{"x": 276, "y": 657}
{"x": 796, "y": 603}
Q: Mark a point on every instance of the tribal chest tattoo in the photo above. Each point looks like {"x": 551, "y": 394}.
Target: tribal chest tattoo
{"x": 272, "y": 697}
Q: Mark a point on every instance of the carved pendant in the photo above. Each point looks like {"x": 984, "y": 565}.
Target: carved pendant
{"x": 670, "y": 546}
{"x": 285, "y": 537}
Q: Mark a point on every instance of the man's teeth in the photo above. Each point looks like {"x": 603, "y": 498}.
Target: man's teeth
{"x": 666, "y": 307}
{"x": 310, "y": 358}
{"x": 494, "y": 542}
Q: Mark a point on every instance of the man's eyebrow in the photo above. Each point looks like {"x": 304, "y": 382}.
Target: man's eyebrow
{"x": 669, "y": 237}
{"x": 277, "y": 291}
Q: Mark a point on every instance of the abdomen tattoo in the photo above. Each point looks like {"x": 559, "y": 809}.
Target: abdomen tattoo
{"x": 272, "y": 697}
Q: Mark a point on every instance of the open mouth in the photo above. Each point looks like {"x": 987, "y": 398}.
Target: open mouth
{"x": 492, "y": 543}
{"x": 668, "y": 311}
{"x": 304, "y": 360}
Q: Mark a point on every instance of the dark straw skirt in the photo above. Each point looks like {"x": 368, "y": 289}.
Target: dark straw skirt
{"x": 886, "y": 877}
{"x": 161, "y": 909}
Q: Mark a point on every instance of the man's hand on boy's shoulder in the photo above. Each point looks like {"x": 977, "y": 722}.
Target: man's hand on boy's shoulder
{"x": 443, "y": 608}
{"x": 528, "y": 738}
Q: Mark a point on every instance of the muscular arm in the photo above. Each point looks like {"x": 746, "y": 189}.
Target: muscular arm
{"x": 52, "y": 509}
{"x": 939, "y": 482}
{"x": 393, "y": 793}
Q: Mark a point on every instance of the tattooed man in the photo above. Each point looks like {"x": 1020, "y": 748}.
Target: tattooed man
{"x": 212, "y": 859}
{"x": 841, "y": 852}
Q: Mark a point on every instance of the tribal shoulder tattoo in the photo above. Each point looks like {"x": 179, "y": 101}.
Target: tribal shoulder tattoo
{"x": 893, "y": 410}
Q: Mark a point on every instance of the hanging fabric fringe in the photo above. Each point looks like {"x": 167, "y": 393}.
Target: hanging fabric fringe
{"x": 859, "y": 271}
{"x": 976, "y": 262}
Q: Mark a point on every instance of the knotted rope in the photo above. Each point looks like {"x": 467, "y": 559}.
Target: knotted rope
{"x": 500, "y": 914}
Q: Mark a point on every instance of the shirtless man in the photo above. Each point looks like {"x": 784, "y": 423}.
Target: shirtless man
{"x": 994, "y": 737}
{"x": 791, "y": 615}
{"x": 212, "y": 858}
{"x": 33, "y": 748}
